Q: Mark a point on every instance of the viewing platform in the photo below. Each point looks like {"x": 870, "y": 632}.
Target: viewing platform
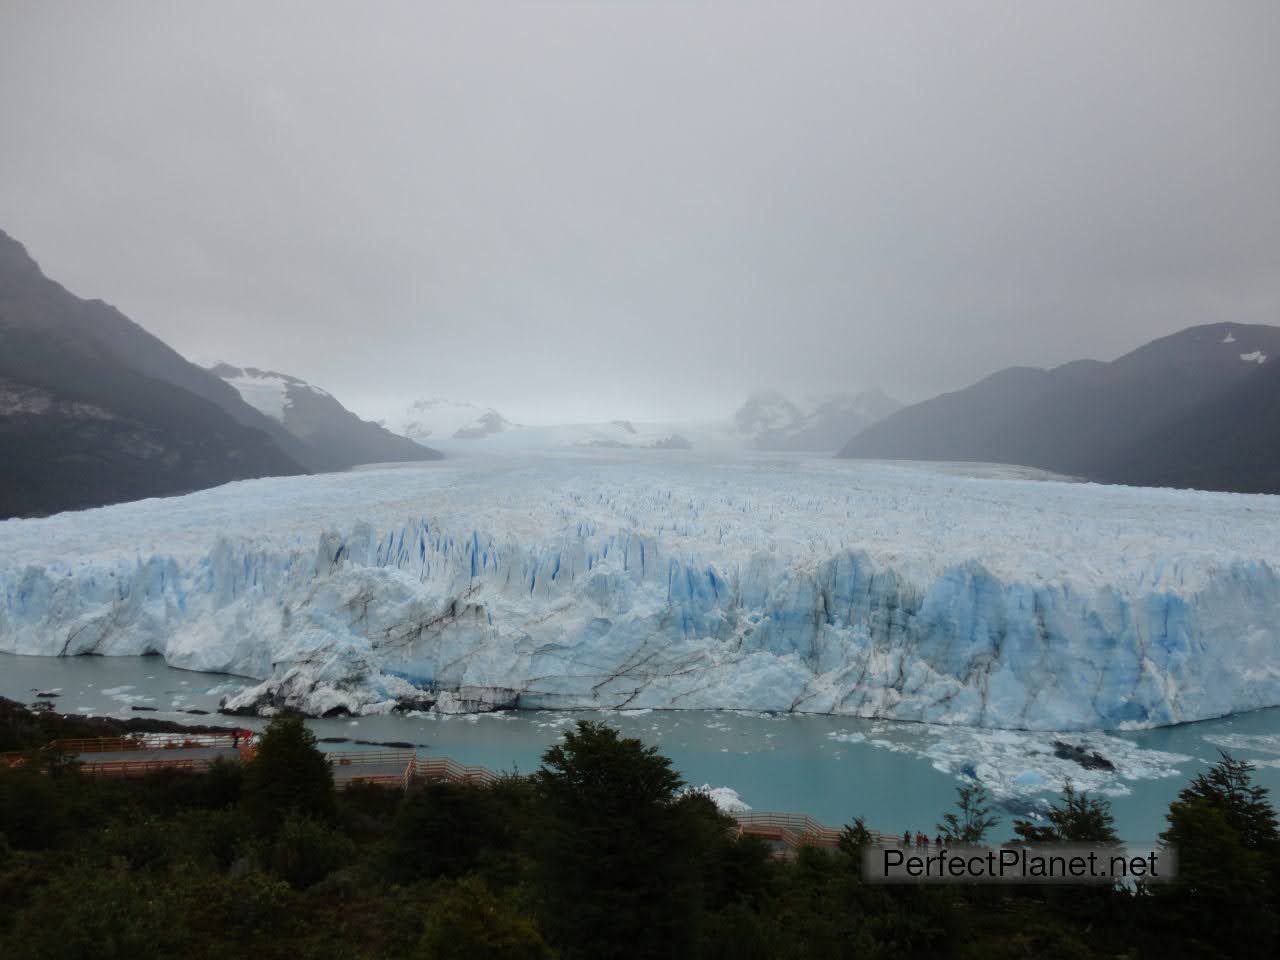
{"x": 142, "y": 754}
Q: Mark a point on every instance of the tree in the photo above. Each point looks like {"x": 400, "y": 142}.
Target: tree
{"x": 853, "y": 838}
{"x": 596, "y": 769}
{"x": 972, "y": 819}
{"x": 1079, "y": 818}
{"x": 1217, "y": 877}
{"x": 1228, "y": 787}
{"x": 288, "y": 774}
{"x": 619, "y": 857}
{"x": 1223, "y": 830}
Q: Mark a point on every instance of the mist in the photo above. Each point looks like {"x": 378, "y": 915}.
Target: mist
{"x": 589, "y": 210}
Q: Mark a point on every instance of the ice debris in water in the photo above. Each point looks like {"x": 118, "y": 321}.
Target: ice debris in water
{"x": 1015, "y": 763}
{"x": 1267, "y": 744}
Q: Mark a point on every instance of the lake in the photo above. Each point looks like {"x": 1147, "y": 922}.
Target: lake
{"x": 898, "y": 776}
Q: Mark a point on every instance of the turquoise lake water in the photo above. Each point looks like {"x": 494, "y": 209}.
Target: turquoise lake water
{"x": 898, "y": 776}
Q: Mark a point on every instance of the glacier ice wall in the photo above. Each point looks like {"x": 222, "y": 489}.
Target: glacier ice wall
{"x": 865, "y": 589}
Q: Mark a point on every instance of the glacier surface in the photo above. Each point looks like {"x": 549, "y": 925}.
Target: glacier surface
{"x": 990, "y": 598}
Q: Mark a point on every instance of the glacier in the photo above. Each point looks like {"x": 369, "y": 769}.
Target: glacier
{"x": 989, "y": 597}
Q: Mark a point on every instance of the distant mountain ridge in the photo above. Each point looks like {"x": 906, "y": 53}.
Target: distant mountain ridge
{"x": 438, "y": 419}
{"x": 1192, "y": 409}
{"x": 335, "y": 438}
{"x": 767, "y": 421}
{"x": 485, "y": 430}
{"x": 773, "y": 422}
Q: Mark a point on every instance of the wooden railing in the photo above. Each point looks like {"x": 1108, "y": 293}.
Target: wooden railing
{"x": 362, "y": 758}
{"x": 443, "y": 768}
{"x": 140, "y": 768}
{"x": 796, "y": 830}
{"x": 93, "y": 747}
{"x": 152, "y": 741}
{"x": 98, "y": 745}
{"x": 340, "y": 758}
{"x": 416, "y": 769}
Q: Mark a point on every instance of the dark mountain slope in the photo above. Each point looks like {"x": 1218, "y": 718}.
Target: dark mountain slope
{"x": 89, "y": 412}
{"x": 985, "y": 422}
{"x": 97, "y": 329}
{"x": 1230, "y": 443}
{"x": 1113, "y": 422}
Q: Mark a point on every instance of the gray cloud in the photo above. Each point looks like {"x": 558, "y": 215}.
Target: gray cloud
{"x": 645, "y": 209}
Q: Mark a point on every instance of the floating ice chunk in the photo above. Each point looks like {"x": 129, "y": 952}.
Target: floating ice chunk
{"x": 224, "y": 689}
{"x": 726, "y": 799}
{"x": 555, "y": 723}
{"x": 847, "y": 737}
{"x": 1263, "y": 742}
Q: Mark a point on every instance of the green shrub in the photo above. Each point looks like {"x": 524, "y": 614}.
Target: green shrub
{"x": 32, "y": 808}
{"x": 468, "y": 921}
{"x": 89, "y": 914}
{"x": 435, "y": 829}
{"x": 305, "y": 851}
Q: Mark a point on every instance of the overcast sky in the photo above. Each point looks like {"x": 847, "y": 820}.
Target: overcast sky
{"x": 635, "y": 209}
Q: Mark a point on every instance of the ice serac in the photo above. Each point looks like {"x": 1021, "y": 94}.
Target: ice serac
{"x": 866, "y": 589}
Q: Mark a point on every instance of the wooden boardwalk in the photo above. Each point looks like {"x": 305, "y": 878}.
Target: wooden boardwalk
{"x": 790, "y": 831}
{"x": 402, "y": 768}
{"x": 139, "y": 755}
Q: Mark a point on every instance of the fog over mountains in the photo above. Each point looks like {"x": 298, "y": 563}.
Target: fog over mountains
{"x": 96, "y": 410}
{"x": 776, "y": 423}
{"x": 766, "y": 421}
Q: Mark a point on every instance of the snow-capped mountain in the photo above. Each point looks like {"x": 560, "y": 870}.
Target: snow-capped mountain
{"x": 771, "y": 421}
{"x": 265, "y": 390}
{"x": 438, "y": 419}
{"x": 335, "y": 438}
{"x": 766, "y": 411}
{"x": 442, "y": 422}
{"x": 766, "y": 421}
